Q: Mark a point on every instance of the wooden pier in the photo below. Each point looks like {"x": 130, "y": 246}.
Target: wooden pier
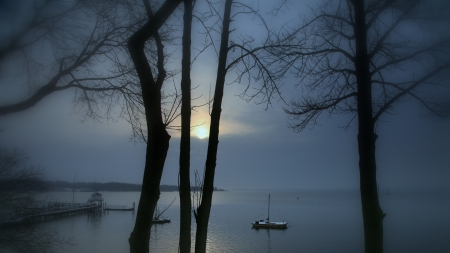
{"x": 52, "y": 213}
{"x": 53, "y": 210}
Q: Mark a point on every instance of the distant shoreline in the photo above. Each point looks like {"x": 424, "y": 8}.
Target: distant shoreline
{"x": 65, "y": 186}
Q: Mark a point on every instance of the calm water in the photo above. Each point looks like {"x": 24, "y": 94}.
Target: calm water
{"x": 319, "y": 222}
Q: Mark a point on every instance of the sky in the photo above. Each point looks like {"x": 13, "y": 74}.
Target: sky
{"x": 257, "y": 149}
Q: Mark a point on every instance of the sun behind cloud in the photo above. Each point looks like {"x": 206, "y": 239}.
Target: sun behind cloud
{"x": 201, "y": 132}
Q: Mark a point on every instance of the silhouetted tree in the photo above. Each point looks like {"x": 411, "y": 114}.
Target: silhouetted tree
{"x": 185, "y": 142}
{"x": 250, "y": 64}
{"x": 19, "y": 187}
{"x": 362, "y": 57}
{"x": 157, "y": 136}
{"x": 81, "y": 44}
{"x": 203, "y": 211}
{"x": 54, "y": 45}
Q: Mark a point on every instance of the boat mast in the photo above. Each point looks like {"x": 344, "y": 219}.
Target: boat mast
{"x": 268, "y": 210}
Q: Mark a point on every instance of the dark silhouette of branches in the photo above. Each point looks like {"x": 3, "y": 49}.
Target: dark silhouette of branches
{"x": 363, "y": 58}
{"x": 65, "y": 45}
{"x": 19, "y": 187}
{"x": 150, "y": 83}
{"x": 321, "y": 54}
{"x": 251, "y": 65}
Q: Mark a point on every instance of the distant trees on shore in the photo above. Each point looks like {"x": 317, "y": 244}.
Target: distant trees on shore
{"x": 59, "y": 185}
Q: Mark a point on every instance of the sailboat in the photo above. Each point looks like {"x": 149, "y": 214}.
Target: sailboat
{"x": 269, "y": 224}
{"x": 157, "y": 219}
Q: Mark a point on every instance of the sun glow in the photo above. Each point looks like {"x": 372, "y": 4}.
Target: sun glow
{"x": 201, "y": 132}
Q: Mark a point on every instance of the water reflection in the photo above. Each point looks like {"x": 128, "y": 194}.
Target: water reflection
{"x": 316, "y": 222}
{"x": 94, "y": 220}
{"x": 267, "y": 232}
{"x": 269, "y": 247}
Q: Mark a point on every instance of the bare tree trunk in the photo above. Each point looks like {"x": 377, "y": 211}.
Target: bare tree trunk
{"x": 155, "y": 157}
{"x": 203, "y": 211}
{"x": 185, "y": 142}
{"x": 158, "y": 138}
{"x": 371, "y": 210}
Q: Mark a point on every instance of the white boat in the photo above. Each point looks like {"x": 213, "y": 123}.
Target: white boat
{"x": 269, "y": 224}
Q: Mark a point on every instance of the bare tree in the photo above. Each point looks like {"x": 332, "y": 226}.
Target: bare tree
{"x": 86, "y": 45}
{"x": 185, "y": 142}
{"x": 204, "y": 209}
{"x": 19, "y": 184}
{"x": 251, "y": 66}
{"x": 363, "y": 57}
{"x": 51, "y": 46}
{"x": 157, "y": 136}
{"x": 19, "y": 187}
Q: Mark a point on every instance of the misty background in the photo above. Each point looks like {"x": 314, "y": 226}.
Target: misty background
{"x": 257, "y": 149}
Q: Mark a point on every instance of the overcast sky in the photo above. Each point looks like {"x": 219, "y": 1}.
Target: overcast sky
{"x": 256, "y": 150}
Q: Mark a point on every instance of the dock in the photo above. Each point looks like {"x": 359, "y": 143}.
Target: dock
{"x": 57, "y": 210}
{"x": 52, "y": 210}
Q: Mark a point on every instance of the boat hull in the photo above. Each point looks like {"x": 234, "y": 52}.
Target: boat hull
{"x": 160, "y": 221}
{"x": 118, "y": 209}
{"x": 269, "y": 225}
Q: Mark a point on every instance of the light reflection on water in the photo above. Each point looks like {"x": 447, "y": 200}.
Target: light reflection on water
{"x": 319, "y": 222}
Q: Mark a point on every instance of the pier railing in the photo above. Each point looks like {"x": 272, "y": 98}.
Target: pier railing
{"x": 50, "y": 210}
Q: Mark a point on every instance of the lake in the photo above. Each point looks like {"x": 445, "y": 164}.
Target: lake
{"x": 320, "y": 221}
